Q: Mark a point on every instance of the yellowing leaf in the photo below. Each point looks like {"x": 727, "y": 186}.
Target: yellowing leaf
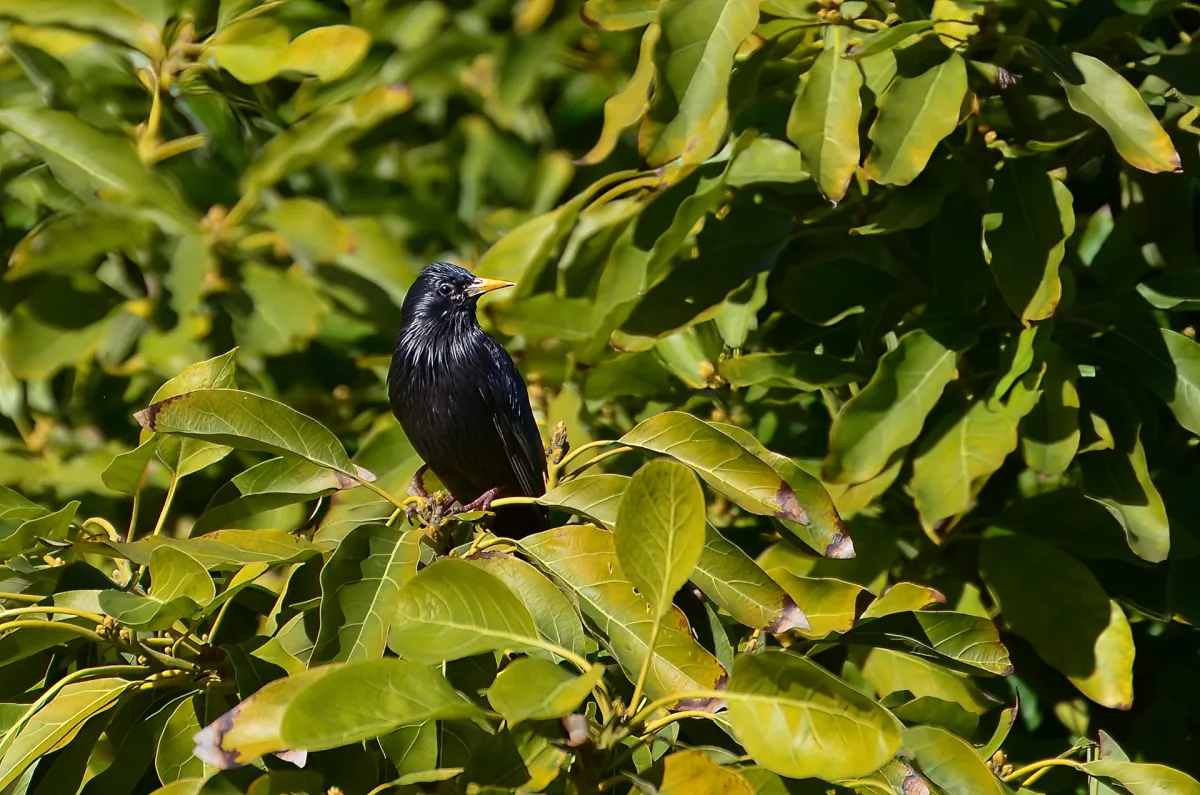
{"x": 327, "y": 53}
{"x": 626, "y": 108}
{"x": 1116, "y": 106}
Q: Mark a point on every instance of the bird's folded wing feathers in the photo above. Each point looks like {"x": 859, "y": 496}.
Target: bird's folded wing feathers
{"x": 519, "y": 435}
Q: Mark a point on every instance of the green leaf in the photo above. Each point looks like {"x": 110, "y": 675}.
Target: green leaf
{"x": 903, "y": 597}
{"x": 264, "y": 487}
{"x": 694, "y": 773}
{"x": 360, "y": 592}
{"x": 288, "y": 309}
{"x": 124, "y": 473}
{"x": 1050, "y": 432}
{"x": 180, "y": 586}
{"x": 1142, "y": 778}
{"x": 584, "y": 559}
{"x": 311, "y": 229}
{"x": 252, "y": 50}
{"x": 824, "y": 118}
{"x": 1025, "y": 230}
{"x": 801, "y": 370}
{"x": 225, "y": 549}
{"x": 1121, "y": 482}
{"x": 798, "y": 720}
{"x": 766, "y": 160}
{"x": 829, "y": 604}
{"x": 73, "y": 241}
{"x": 327, "y": 53}
{"x": 732, "y": 579}
{"x": 885, "y": 40}
{"x": 595, "y": 497}
{"x": 327, "y": 130}
{"x": 888, "y": 413}
{"x": 824, "y": 531}
{"x": 959, "y": 456}
{"x": 331, "y": 706}
{"x": 452, "y": 610}
{"x": 53, "y": 526}
{"x": 723, "y": 463}
{"x": 105, "y": 17}
{"x": 627, "y": 107}
{"x": 1056, "y": 603}
{"x": 556, "y": 619}
{"x": 1172, "y": 371}
{"x": 915, "y": 114}
{"x": 660, "y": 531}
{"x": 619, "y": 14}
{"x": 533, "y": 689}
{"x": 950, "y": 762}
{"x": 690, "y": 110}
{"x": 1109, "y": 100}
{"x": 63, "y": 323}
{"x": 56, "y": 724}
{"x": 889, "y": 671}
{"x": 173, "y": 758}
{"x": 249, "y": 422}
{"x": 84, "y": 156}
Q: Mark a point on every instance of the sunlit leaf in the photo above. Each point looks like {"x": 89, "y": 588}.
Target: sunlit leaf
{"x": 584, "y": 558}
{"x": 915, "y": 114}
{"x": 798, "y": 720}
{"x": 328, "y": 707}
{"x": 533, "y": 689}
{"x": 251, "y": 422}
{"x": 824, "y": 118}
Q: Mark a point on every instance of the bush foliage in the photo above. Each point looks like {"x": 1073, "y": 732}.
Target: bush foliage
{"x": 860, "y": 333}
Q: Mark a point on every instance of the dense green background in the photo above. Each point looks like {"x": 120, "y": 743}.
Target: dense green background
{"x": 940, "y": 258}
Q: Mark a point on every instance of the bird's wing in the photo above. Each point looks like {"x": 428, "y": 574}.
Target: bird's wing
{"x": 519, "y": 432}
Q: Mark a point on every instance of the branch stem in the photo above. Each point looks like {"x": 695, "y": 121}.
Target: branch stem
{"x": 1042, "y": 764}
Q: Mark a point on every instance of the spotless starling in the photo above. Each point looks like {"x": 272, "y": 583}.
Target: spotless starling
{"x": 461, "y": 401}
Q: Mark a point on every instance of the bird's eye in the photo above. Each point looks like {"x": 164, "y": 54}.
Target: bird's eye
{"x": 445, "y": 289}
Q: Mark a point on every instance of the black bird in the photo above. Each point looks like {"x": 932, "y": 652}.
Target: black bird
{"x": 462, "y": 402}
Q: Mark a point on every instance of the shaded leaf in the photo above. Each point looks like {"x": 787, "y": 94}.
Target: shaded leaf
{"x": 887, "y": 414}
{"x": 1029, "y": 219}
{"x": 360, "y": 592}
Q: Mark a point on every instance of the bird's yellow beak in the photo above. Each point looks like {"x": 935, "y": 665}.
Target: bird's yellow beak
{"x": 481, "y": 286}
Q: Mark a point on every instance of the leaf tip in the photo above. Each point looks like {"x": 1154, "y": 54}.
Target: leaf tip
{"x": 789, "y": 506}
{"x": 208, "y": 740}
{"x": 297, "y": 758}
{"x": 841, "y": 547}
{"x": 364, "y": 474}
{"x": 790, "y": 617}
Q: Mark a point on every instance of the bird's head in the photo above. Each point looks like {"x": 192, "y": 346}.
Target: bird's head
{"x": 445, "y": 292}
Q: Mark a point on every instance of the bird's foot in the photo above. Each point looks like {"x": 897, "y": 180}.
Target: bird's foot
{"x": 481, "y": 503}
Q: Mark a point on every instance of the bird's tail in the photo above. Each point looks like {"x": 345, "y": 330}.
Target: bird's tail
{"x": 518, "y": 521}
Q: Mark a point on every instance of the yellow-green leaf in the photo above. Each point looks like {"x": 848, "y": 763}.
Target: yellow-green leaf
{"x": 824, "y": 118}
{"x": 327, "y": 53}
{"x": 627, "y": 107}
{"x": 1117, "y": 106}
{"x": 915, "y": 114}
